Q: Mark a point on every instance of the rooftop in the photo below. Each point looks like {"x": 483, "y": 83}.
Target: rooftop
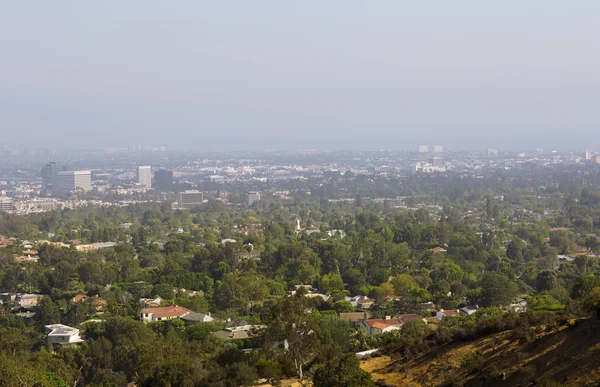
{"x": 169, "y": 311}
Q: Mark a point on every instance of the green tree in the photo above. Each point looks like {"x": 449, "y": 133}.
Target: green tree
{"x": 48, "y": 313}
{"x": 343, "y": 370}
{"x": 295, "y": 324}
{"x": 403, "y": 283}
{"x": 164, "y": 290}
{"x": 497, "y": 290}
{"x": 546, "y": 281}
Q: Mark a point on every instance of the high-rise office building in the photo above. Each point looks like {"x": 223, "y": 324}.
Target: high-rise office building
{"x": 49, "y": 172}
{"x": 423, "y": 149}
{"x": 437, "y": 162}
{"x": 251, "y": 197}
{"x": 69, "y": 181}
{"x": 163, "y": 179}
{"x": 587, "y": 155}
{"x": 144, "y": 176}
{"x": 438, "y": 149}
{"x": 190, "y": 198}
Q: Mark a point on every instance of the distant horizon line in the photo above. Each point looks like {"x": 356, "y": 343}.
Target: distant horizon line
{"x": 167, "y": 149}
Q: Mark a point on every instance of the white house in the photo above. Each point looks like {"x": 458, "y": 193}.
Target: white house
{"x": 62, "y": 334}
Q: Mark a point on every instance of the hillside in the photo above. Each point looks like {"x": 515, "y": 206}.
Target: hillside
{"x": 568, "y": 355}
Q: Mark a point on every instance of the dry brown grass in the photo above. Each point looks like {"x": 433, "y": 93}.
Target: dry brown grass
{"x": 569, "y": 355}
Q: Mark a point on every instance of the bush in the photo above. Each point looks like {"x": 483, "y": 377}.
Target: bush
{"x": 269, "y": 370}
{"x": 474, "y": 361}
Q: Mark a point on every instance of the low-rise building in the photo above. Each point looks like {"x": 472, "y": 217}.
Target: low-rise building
{"x": 62, "y": 334}
{"x": 162, "y": 314}
{"x": 519, "y": 305}
{"x": 195, "y": 318}
{"x": 378, "y": 326}
{"x": 440, "y": 314}
{"x": 27, "y": 300}
{"x": 95, "y": 246}
{"x": 150, "y": 302}
{"x": 468, "y": 310}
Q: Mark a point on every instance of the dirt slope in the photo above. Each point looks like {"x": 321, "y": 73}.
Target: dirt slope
{"x": 569, "y": 355}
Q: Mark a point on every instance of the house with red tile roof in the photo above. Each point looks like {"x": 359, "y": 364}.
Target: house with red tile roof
{"x": 162, "y": 314}
{"x": 378, "y": 326}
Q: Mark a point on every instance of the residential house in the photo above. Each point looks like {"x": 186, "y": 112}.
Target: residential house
{"x": 366, "y": 303}
{"x": 195, "y": 318}
{"x": 94, "y": 246}
{"x": 238, "y": 325}
{"x": 62, "y": 334}
{"x": 80, "y": 298}
{"x": 341, "y": 233}
{"x": 27, "y": 258}
{"x": 98, "y": 304}
{"x": 230, "y": 335}
{"x": 378, "y": 326}
{"x": 439, "y": 250}
{"x": 446, "y": 313}
{"x": 519, "y": 305}
{"x": 162, "y": 314}
{"x": 27, "y": 300}
{"x": 238, "y": 330}
{"x": 355, "y": 300}
{"x": 468, "y": 310}
{"x": 150, "y": 302}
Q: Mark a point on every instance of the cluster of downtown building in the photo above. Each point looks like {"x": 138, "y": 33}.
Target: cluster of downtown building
{"x": 188, "y": 179}
{"x": 58, "y": 181}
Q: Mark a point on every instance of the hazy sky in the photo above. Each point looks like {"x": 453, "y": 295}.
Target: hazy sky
{"x": 304, "y": 74}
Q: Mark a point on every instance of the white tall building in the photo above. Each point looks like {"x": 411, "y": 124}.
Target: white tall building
{"x": 438, "y": 149}
{"x": 144, "y": 176}
{"x": 68, "y": 181}
{"x": 423, "y": 149}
